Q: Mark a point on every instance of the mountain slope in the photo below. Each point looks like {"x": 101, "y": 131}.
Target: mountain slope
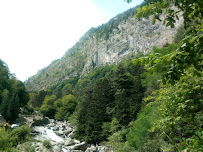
{"x": 108, "y": 44}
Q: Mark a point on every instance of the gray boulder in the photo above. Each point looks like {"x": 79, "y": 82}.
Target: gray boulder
{"x": 68, "y": 131}
{"x": 57, "y": 148}
{"x": 59, "y": 133}
{"x": 81, "y": 146}
{"x": 91, "y": 149}
{"x": 40, "y": 121}
{"x": 68, "y": 142}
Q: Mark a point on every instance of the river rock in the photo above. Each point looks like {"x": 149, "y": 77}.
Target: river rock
{"x": 59, "y": 133}
{"x": 91, "y": 149}
{"x": 76, "y": 141}
{"x": 81, "y": 146}
{"x": 68, "y": 131}
{"x": 57, "y": 148}
{"x": 55, "y": 128}
{"x": 68, "y": 142}
{"x": 40, "y": 121}
{"x": 71, "y": 135}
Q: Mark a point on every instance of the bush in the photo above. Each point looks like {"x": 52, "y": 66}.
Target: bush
{"x": 67, "y": 107}
{"x": 21, "y": 134}
{"x": 26, "y": 147}
{"x": 11, "y": 138}
{"x": 140, "y": 133}
{"x": 117, "y": 142}
{"x": 47, "y": 144}
{"x": 6, "y": 140}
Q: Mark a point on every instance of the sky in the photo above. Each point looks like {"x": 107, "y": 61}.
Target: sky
{"x": 33, "y": 33}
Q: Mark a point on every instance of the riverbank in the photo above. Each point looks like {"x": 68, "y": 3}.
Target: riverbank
{"x": 57, "y": 135}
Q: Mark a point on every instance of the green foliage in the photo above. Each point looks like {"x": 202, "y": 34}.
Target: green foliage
{"x": 99, "y": 72}
{"x": 11, "y": 138}
{"x": 180, "y": 34}
{"x": 67, "y": 107}
{"x": 47, "y": 144}
{"x": 37, "y": 98}
{"x": 191, "y": 11}
{"x": 181, "y": 109}
{"x": 60, "y": 108}
{"x": 177, "y": 62}
{"x": 109, "y": 128}
{"x": 109, "y": 97}
{"x": 140, "y": 131}
{"x": 22, "y": 133}
{"x": 64, "y": 88}
{"x": 4, "y": 76}
{"x": 117, "y": 142}
{"x": 47, "y": 108}
{"x": 6, "y": 140}
{"x": 181, "y": 98}
{"x": 26, "y": 147}
{"x": 13, "y": 94}
{"x": 128, "y": 92}
{"x": 105, "y": 30}
{"x": 92, "y": 111}
{"x": 195, "y": 143}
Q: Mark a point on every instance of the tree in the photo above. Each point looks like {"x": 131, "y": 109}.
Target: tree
{"x": 189, "y": 50}
{"x": 37, "y": 98}
{"x": 140, "y": 131}
{"x": 181, "y": 110}
{"x": 19, "y": 90}
{"x": 47, "y": 107}
{"x": 5, "y": 103}
{"x": 128, "y": 92}
{"x": 65, "y": 107}
{"x": 13, "y": 94}
{"x": 192, "y": 10}
{"x": 4, "y": 77}
{"x": 180, "y": 95}
{"x": 92, "y": 111}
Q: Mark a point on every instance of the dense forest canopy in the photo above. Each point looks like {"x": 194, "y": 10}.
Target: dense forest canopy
{"x": 13, "y": 94}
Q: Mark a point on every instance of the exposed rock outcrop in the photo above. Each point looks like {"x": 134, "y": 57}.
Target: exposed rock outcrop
{"x": 129, "y": 37}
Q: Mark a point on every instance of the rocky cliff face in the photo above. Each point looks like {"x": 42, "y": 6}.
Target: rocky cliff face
{"x": 129, "y": 37}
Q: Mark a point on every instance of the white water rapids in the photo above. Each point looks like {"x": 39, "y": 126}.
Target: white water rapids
{"x": 53, "y": 136}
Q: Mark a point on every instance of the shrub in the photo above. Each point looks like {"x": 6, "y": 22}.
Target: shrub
{"x": 26, "y": 147}
{"x": 47, "y": 144}
{"x": 11, "y": 138}
{"x": 21, "y": 134}
{"x": 140, "y": 133}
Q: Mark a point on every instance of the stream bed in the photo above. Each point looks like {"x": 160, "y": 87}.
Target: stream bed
{"x": 60, "y": 136}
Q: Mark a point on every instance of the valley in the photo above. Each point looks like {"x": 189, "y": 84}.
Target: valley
{"x": 133, "y": 84}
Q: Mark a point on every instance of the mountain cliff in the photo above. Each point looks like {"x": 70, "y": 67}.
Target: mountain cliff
{"x": 109, "y": 43}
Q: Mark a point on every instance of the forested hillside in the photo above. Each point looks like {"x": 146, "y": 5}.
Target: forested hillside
{"x": 147, "y": 102}
{"x": 13, "y": 94}
{"x": 121, "y": 37}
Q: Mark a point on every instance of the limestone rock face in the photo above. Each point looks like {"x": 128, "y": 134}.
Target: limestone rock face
{"x": 128, "y": 38}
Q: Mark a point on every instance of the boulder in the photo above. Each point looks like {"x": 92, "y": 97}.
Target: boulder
{"x": 57, "y": 148}
{"x": 68, "y": 131}
{"x": 81, "y": 146}
{"x": 55, "y": 128}
{"x": 91, "y": 149}
{"x": 40, "y": 121}
{"x": 68, "y": 142}
{"x": 76, "y": 141}
{"x": 59, "y": 133}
